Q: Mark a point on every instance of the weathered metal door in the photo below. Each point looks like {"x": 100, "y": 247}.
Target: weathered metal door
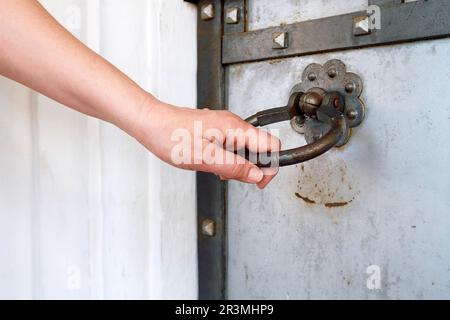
{"x": 370, "y": 219}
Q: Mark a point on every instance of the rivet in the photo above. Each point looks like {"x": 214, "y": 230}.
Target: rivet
{"x": 280, "y": 40}
{"x": 208, "y": 227}
{"x": 232, "y": 15}
{"x": 332, "y": 72}
{"x": 361, "y": 26}
{"x": 207, "y": 12}
{"x": 312, "y": 76}
{"x": 351, "y": 114}
{"x": 350, "y": 87}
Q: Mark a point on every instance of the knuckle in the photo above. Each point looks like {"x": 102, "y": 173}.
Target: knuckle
{"x": 230, "y": 116}
{"x": 239, "y": 171}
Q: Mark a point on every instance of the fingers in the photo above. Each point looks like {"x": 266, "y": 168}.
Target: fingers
{"x": 269, "y": 174}
{"x": 240, "y": 134}
{"x": 232, "y": 166}
{"x": 226, "y": 133}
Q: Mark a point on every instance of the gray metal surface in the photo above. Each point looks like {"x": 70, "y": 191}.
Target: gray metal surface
{"x": 282, "y": 12}
{"x": 383, "y": 199}
{"x": 399, "y": 23}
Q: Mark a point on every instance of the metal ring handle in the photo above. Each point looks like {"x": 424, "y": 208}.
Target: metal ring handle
{"x": 338, "y": 129}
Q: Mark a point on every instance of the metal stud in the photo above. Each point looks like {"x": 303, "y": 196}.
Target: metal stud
{"x": 332, "y": 72}
{"x": 351, "y": 114}
{"x": 361, "y": 26}
{"x": 280, "y": 40}
{"x": 232, "y": 15}
{"x": 312, "y": 76}
{"x": 350, "y": 87}
{"x": 207, "y": 12}
{"x": 208, "y": 227}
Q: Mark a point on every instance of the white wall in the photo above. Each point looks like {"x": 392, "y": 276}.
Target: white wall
{"x": 85, "y": 211}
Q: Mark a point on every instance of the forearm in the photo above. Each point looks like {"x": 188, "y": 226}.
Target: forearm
{"x": 38, "y": 52}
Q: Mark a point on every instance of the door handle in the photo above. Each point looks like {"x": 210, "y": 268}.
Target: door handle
{"x": 325, "y": 117}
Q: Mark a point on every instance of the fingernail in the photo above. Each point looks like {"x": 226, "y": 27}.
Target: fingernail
{"x": 255, "y": 175}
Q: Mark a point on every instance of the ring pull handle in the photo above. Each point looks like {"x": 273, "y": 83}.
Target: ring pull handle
{"x": 317, "y": 104}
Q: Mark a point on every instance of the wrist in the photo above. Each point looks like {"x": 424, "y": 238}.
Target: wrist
{"x": 146, "y": 117}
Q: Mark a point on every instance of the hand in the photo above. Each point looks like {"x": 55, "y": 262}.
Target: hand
{"x": 205, "y": 140}
{"x": 39, "y": 53}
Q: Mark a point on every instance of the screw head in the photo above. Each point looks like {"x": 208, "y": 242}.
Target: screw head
{"x": 232, "y": 15}
{"x": 361, "y": 26}
{"x": 207, "y": 12}
{"x": 312, "y": 76}
{"x": 332, "y": 72}
{"x": 280, "y": 40}
{"x": 350, "y": 87}
{"x": 310, "y": 102}
{"x": 208, "y": 227}
{"x": 351, "y": 114}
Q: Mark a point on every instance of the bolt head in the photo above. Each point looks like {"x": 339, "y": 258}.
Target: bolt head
{"x": 208, "y": 227}
{"x": 310, "y": 102}
{"x": 280, "y": 40}
{"x": 361, "y": 26}
{"x": 351, "y": 114}
{"x": 232, "y": 15}
{"x": 332, "y": 72}
{"x": 350, "y": 87}
{"x": 312, "y": 76}
{"x": 207, "y": 12}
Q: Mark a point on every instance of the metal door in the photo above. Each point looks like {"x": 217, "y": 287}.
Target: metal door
{"x": 369, "y": 220}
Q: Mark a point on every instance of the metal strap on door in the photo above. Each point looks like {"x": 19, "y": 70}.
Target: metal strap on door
{"x": 323, "y": 106}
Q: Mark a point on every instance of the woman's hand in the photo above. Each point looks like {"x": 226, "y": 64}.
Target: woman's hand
{"x": 38, "y": 52}
{"x": 204, "y": 140}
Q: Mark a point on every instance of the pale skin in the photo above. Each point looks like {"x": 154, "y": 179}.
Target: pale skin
{"x": 38, "y": 52}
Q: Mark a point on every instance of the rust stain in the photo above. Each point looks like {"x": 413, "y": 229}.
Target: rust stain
{"x": 326, "y": 182}
{"x": 275, "y": 61}
{"x": 337, "y": 204}
{"x": 306, "y": 199}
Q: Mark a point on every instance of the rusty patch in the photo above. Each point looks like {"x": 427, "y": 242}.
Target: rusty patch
{"x": 326, "y": 181}
{"x": 337, "y": 204}
{"x": 275, "y": 61}
{"x": 306, "y": 199}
